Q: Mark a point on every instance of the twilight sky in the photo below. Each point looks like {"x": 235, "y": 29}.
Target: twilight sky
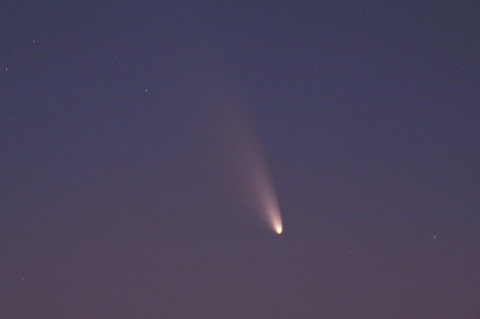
{"x": 129, "y": 135}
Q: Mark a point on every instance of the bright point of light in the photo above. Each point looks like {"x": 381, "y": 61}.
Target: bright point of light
{"x": 278, "y": 229}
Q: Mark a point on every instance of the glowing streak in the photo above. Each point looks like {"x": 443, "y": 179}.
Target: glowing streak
{"x": 253, "y": 174}
{"x": 276, "y": 221}
{"x": 278, "y": 227}
{"x": 265, "y": 194}
{"x": 271, "y": 208}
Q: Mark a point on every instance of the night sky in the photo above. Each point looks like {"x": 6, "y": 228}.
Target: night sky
{"x": 125, "y": 181}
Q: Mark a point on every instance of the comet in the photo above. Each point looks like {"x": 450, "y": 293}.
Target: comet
{"x": 278, "y": 226}
{"x": 232, "y": 152}
{"x": 254, "y": 178}
{"x": 241, "y": 164}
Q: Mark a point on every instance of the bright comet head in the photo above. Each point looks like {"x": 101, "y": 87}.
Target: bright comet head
{"x": 278, "y": 229}
{"x": 275, "y": 218}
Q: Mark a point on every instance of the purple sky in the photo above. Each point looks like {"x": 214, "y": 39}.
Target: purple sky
{"x": 119, "y": 193}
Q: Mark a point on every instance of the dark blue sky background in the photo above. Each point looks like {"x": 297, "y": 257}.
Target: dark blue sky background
{"x": 114, "y": 156}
